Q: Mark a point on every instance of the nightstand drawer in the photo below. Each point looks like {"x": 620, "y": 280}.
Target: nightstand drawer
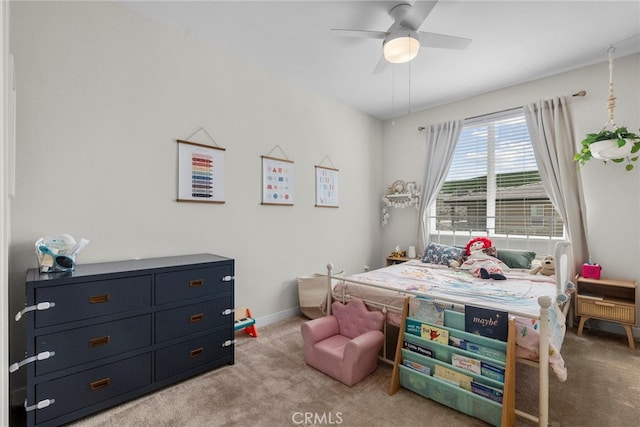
{"x": 92, "y": 299}
{"x": 193, "y": 353}
{"x": 81, "y": 345}
{"x": 193, "y": 283}
{"x": 194, "y": 318}
{"x": 92, "y": 386}
{"x": 607, "y": 310}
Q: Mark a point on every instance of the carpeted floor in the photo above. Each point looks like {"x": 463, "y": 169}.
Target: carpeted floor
{"x": 270, "y": 385}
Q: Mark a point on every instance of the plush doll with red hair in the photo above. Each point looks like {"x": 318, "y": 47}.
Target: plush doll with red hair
{"x": 481, "y": 260}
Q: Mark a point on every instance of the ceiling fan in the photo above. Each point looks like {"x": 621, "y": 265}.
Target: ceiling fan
{"x": 402, "y": 40}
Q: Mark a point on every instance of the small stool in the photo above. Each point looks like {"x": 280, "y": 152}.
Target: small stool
{"x": 243, "y": 320}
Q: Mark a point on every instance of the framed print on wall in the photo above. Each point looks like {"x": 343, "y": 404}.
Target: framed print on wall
{"x": 200, "y": 173}
{"x": 277, "y": 181}
{"x": 326, "y": 187}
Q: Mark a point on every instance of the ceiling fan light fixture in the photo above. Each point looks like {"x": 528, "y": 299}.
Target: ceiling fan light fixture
{"x": 401, "y": 47}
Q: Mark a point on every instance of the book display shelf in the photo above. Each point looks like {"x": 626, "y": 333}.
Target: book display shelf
{"x": 465, "y": 371}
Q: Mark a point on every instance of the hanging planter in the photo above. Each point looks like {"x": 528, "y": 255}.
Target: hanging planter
{"x": 617, "y": 146}
{"x": 612, "y": 142}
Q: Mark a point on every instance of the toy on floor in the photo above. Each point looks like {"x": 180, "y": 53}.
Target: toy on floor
{"x": 243, "y": 320}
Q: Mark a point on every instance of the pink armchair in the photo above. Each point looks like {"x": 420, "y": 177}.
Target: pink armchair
{"x": 344, "y": 345}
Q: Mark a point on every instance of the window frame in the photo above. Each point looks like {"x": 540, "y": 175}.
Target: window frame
{"x": 490, "y": 229}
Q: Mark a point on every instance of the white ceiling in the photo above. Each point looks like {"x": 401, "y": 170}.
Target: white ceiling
{"x": 513, "y": 42}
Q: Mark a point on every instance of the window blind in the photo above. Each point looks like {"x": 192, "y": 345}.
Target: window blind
{"x": 493, "y": 184}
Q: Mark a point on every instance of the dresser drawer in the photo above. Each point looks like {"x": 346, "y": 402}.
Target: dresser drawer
{"x": 92, "y": 299}
{"x": 191, "y": 319}
{"x": 191, "y": 354}
{"x": 193, "y": 283}
{"x": 92, "y": 386}
{"x": 81, "y": 345}
{"x": 605, "y": 309}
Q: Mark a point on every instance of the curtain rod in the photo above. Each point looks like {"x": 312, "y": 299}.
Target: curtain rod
{"x": 579, "y": 93}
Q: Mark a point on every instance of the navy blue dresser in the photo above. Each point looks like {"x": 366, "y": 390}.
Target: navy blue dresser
{"x": 110, "y": 332}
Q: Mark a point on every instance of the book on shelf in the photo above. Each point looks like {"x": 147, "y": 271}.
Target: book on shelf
{"x": 487, "y": 351}
{"x": 477, "y": 348}
{"x": 489, "y": 392}
{"x": 453, "y": 377}
{"x": 428, "y": 310}
{"x": 419, "y": 349}
{"x": 417, "y": 366}
{"x": 492, "y": 371}
{"x": 433, "y": 333}
{"x": 426, "y": 331}
{"x": 488, "y": 323}
{"x": 467, "y": 363}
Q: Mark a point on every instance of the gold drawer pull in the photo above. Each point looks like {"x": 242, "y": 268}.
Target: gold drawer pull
{"x": 197, "y": 352}
{"x": 96, "y": 385}
{"x": 97, "y": 299}
{"x": 196, "y": 283}
{"x": 196, "y": 317}
{"x": 605, "y": 304}
{"x": 97, "y": 342}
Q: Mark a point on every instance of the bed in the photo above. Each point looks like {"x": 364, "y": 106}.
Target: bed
{"x": 539, "y": 303}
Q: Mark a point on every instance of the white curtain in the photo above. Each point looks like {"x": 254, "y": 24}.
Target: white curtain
{"x": 550, "y": 124}
{"x": 440, "y": 146}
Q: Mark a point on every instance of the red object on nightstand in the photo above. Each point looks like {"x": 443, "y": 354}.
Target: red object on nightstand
{"x": 591, "y": 271}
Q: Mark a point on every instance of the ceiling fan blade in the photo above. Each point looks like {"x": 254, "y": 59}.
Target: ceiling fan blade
{"x": 381, "y": 66}
{"x": 419, "y": 12}
{"x": 443, "y": 41}
{"x": 360, "y": 33}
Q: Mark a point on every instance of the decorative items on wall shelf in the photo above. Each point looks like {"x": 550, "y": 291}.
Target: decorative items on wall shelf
{"x": 400, "y": 194}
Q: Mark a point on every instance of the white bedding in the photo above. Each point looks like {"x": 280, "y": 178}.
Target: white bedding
{"x": 518, "y": 295}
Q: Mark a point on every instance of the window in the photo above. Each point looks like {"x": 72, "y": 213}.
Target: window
{"x": 493, "y": 185}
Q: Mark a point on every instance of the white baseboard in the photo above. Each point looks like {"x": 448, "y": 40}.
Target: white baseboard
{"x": 276, "y": 317}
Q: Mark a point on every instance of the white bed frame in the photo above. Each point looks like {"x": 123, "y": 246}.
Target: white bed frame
{"x": 564, "y": 274}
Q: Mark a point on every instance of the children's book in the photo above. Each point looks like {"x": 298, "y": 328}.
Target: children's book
{"x": 467, "y": 363}
{"x": 492, "y": 371}
{"x": 487, "y": 391}
{"x": 486, "y": 351}
{"x": 453, "y": 377}
{"x": 433, "y": 333}
{"x": 428, "y": 310}
{"x": 417, "y": 366}
{"x": 486, "y": 322}
{"x": 419, "y": 349}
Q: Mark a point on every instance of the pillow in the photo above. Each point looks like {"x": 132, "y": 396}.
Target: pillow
{"x": 516, "y": 258}
{"x": 436, "y": 253}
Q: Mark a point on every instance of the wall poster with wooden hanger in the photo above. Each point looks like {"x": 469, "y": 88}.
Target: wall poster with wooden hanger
{"x": 200, "y": 171}
{"x": 277, "y": 180}
{"x": 326, "y": 186}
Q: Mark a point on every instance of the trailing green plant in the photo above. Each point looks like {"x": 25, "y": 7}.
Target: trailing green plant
{"x": 621, "y": 134}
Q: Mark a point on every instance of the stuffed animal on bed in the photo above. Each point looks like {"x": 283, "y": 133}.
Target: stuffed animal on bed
{"x": 481, "y": 260}
{"x": 547, "y": 267}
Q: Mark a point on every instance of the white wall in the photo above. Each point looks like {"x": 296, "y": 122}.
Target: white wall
{"x": 103, "y": 94}
{"x": 612, "y": 194}
{"x": 5, "y": 119}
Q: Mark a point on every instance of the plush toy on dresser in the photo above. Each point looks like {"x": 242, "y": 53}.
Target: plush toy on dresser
{"x": 481, "y": 260}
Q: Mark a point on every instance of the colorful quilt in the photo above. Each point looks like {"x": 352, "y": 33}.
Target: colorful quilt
{"x": 517, "y": 295}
